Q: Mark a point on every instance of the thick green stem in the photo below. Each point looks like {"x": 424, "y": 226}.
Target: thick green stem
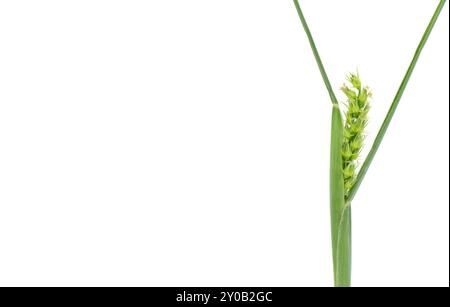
{"x": 343, "y": 261}
{"x": 340, "y": 210}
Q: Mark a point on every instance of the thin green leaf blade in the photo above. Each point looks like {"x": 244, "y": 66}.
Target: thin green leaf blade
{"x": 387, "y": 121}
{"x": 316, "y": 53}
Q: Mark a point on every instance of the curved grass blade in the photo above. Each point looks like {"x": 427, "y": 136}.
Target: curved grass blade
{"x": 376, "y": 145}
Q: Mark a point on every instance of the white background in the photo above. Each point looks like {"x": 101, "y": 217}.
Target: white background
{"x": 186, "y": 143}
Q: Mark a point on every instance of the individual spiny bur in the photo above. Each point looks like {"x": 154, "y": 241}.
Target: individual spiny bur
{"x": 356, "y": 119}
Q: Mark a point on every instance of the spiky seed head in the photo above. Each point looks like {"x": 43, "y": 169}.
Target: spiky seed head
{"x": 357, "y": 109}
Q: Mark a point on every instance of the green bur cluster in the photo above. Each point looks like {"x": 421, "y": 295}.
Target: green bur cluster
{"x": 356, "y": 119}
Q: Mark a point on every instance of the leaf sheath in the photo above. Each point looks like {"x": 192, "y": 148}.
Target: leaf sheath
{"x": 340, "y": 211}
